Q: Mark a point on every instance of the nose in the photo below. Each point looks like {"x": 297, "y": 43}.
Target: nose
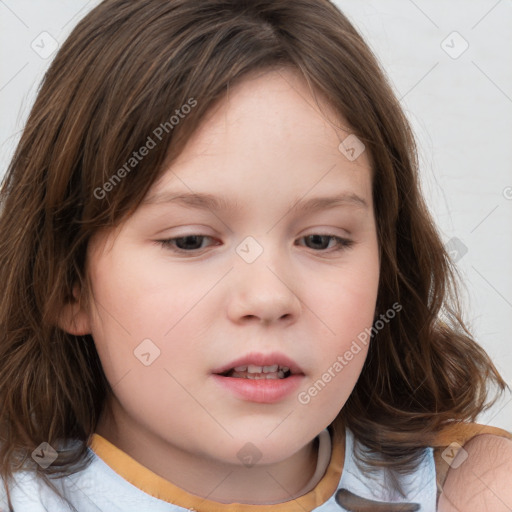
{"x": 264, "y": 291}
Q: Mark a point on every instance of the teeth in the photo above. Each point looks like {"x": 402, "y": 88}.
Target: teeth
{"x": 252, "y": 368}
{"x": 255, "y": 372}
{"x": 258, "y": 376}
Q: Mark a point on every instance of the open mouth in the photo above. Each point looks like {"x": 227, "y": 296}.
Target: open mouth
{"x": 260, "y": 378}
{"x": 258, "y": 372}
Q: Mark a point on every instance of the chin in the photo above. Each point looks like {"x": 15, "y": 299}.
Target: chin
{"x": 266, "y": 449}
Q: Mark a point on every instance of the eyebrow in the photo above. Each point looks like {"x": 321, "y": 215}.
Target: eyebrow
{"x": 210, "y": 202}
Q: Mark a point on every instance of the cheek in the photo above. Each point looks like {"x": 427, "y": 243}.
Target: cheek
{"x": 136, "y": 301}
{"x": 344, "y": 347}
{"x": 135, "y": 296}
{"x": 345, "y": 302}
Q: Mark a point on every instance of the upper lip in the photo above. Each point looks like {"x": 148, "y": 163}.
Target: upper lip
{"x": 259, "y": 359}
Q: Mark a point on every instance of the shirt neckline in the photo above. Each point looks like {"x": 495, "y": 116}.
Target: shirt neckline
{"x": 154, "y": 485}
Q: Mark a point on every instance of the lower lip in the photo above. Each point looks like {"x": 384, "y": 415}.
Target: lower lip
{"x": 264, "y": 391}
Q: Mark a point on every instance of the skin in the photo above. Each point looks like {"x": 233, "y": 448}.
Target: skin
{"x": 267, "y": 145}
{"x": 483, "y": 482}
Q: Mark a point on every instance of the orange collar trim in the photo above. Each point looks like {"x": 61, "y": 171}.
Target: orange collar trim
{"x": 156, "y": 486}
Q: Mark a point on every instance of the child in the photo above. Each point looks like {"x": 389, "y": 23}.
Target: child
{"x": 261, "y": 370}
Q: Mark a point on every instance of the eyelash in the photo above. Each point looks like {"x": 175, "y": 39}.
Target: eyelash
{"x": 343, "y": 243}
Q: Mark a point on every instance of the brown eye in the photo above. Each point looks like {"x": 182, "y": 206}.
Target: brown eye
{"x": 187, "y": 243}
{"x": 321, "y": 242}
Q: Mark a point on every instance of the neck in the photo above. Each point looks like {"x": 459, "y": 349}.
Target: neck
{"x": 207, "y": 478}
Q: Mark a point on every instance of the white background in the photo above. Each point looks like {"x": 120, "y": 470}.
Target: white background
{"x": 460, "y": 109}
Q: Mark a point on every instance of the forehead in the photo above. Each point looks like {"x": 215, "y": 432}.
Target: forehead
{"x": 271, "y": 130}
{"x": 268, "y": 109}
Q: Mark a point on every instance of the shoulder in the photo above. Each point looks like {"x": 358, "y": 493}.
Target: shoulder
{"x": 483, "y": 481}
{"x": 24, "y": 489}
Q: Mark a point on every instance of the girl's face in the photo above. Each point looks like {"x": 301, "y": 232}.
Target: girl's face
{"x": 251, "y": 271}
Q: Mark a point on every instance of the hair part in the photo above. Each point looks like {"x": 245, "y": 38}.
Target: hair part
{"x": 124, "y": 71}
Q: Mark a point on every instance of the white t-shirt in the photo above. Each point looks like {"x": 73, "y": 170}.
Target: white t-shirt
{"x": 114, "y": 482}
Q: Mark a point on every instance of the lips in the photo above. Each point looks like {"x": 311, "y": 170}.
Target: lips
{"x": 260, "y": 364}
{"x": 259, "y": 378}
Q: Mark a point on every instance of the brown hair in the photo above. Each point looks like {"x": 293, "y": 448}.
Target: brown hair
{"x": 122, "y": 73}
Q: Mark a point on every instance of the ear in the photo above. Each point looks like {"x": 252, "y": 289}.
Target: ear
{"x": 73, "y": 317}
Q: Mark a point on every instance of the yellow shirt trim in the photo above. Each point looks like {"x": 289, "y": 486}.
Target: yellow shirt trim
{"x": 158, "y": 487}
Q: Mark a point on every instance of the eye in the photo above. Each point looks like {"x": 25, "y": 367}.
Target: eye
{"x": 187, "y": 243}
{"x": 319, "y": 239}
{"x": 193, "y": 243}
